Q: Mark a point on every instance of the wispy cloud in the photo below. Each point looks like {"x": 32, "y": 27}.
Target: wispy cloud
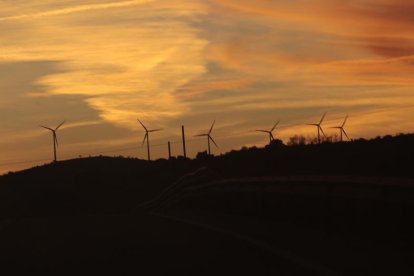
{"x": 75, "y": 9}
{"x": 127, "y": 69}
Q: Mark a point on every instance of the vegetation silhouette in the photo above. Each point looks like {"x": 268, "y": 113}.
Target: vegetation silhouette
{"x": 347, "y": 207}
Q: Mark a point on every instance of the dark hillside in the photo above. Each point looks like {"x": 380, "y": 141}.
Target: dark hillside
{"x": 388, "y": 156}
{"x": 115, "y": 185}
{"x": 328, "y": 209}
{"x": 85, "y": 186}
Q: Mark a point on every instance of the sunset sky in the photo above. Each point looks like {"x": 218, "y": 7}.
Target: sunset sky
{"x": 101, "y": 64}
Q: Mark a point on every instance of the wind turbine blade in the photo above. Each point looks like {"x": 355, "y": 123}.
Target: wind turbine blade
{"x": 259, "y": 130}
{"x": 154, "y": 130}
{"x": 48, "y": 128}
{"x": 200, "y": 135}
{"x": 60, "y": 125}
{"x": 312, "y": 124}
{"x": 346, "y": 118}
{"x": 322, "y": 131}
{"x": 142, "y": 125}
{"x": 212, "y": 140}
{"x": 336, "y": 127}
{"x": 274, "y": 127}
{"x": 343, "y": 130}
{"x": 323, "y": 117}
{"x": 271, "y": 135}
{"x": 145, "y": 138}
{"x": 211, "y": 128}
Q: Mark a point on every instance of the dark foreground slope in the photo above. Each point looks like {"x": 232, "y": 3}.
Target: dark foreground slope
{"x": 115, "y": 185}
{"x": 130, "y": 245}
{"x": 342, "y": 208}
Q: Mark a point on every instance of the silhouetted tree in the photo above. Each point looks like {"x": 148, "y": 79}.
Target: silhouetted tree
{"x": 202, "y": 155}
{"x": 297, "y": 140}
{"x": 275, "y": 143}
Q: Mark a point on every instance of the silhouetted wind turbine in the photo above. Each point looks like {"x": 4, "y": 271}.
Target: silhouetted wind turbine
{"x": 146, "y": 137}
{"x": 341, "y": 129}
{"x": 54, "y": 137}
{"x": 208, "y": 135}
{"x": 270, "y": 132}
{"x": 318, "y": 125}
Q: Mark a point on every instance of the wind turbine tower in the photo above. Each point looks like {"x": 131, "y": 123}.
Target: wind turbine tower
{"x": 342, "y": 129}
{"x": 270, "y": 132}
{"x": 183, "y": 138}
{"x": 146, "y": 137}
{"x": 54, "y": 138}
{"x": 319, "y": 127}
{"x": 209, "y": 138}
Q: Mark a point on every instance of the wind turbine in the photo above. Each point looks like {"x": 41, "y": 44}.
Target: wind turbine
{"x": 54, "y": 137}
{"x": 270, "y": 132}
{"x": 146, "y": 137}
{"x": 318, "y": 125}
{"x": 208, "y": 135}
{"x": 341, "y": 129}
